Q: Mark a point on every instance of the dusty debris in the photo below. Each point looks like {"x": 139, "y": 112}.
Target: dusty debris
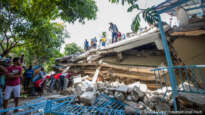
{"x": 88, "y": 98}
{"x": 189, "y": 100}
{"x": 119, "y": 96}
{"x": 162, "y": 107}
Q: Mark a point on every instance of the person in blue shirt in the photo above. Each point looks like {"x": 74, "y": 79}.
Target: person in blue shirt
{"x": 28, "y": 75}
{"x": 113, "y": 28}
{"x": 86, "y": 45}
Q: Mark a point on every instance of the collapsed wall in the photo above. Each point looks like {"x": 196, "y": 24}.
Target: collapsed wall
{"x": 131, "y": 61}
{"x": 126, "y": 61}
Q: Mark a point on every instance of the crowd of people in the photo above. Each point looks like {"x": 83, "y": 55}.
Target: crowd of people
{"x": 116, "y": 36}
{"x": 16, "y": 78}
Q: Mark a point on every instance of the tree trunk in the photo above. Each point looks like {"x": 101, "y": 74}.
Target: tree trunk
{"x": 5, "y": 52}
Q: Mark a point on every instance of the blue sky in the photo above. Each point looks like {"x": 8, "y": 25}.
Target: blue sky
{"x": 107, "y": 12}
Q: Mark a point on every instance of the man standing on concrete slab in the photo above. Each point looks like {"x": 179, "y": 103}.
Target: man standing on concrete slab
{"x": 113, "y": 28}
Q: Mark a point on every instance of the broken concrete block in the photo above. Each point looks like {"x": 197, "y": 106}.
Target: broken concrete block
{"x": 119, "y": 96}
{"x": 132, "y": 104}
{"x": 138, "y": 92}
{"x": 162, "y": 107}
{"x": 88, "y": 98}
{"x": 155, "y": 99}
{"x": 146, "y": 100}
{"x": 77, "y": 79}
{"x": 123, "y": 89}
{"x": 135, "y": 98}
{"x": 89, "y": 89}
{"x": 129, "y": 110}
{"x": 129, "y": 98}
{"x": 78, "y": 89}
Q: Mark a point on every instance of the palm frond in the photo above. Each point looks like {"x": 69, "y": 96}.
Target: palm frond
{"x": 135, "y": 6}
{"x": 150, "y": 15}
{"x": 136, "y": 23}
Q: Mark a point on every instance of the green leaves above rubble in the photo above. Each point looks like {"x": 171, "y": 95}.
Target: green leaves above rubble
{"x": 72, "y": 48}
{"x": 149, "y": 14}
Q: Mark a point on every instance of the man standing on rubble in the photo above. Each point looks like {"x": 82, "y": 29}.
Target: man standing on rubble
{"x": 13, "y": 82}
{"x": 113, "y": 28}
{"x": 86, "y": 45}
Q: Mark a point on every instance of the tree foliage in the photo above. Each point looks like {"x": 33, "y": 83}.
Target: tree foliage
{"x": 72, "y": 48}
{"x": 149, "y": 15}
{"x": 30, "y": 24}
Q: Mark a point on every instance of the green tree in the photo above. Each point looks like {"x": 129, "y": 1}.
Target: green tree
{"x": 149, "y": 15}
{"x": 72, "y": 48}
{"x": 51, "y": 62}
{"x": 30, "y": 23}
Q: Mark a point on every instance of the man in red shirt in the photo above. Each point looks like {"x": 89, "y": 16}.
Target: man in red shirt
{"x": 13, "y": 82}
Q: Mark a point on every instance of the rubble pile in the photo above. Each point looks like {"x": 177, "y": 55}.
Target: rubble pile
{"x": 135, "y": 96}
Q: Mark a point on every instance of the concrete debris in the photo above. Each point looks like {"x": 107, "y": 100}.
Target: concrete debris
{"x": 129, "y": 110}
{"x": 88, "y": 98}
{"x": 119, "y": 96}
{"x": 134, "y": 97}
{"x": 138, "y": 92}
{"x": 189, "y": 100}
{"x": 77, "y": 79}
{"x": 123, "y": 89}
{"x": 78, "y": 89}
{"x": 162, "y": 107}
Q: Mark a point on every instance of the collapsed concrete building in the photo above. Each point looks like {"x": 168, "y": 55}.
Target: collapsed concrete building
{"x": 131, "y": 60}
{"x": 127, "y": 60}
{"x": 131, "y": 77}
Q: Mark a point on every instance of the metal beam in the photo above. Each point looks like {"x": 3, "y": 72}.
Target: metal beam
{"x": 172, "y": 76}
{"x": 174, "y": 5}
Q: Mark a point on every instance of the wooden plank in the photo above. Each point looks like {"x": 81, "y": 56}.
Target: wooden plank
{"x": 189, "y": 33}
{"x": 129, "y": 68}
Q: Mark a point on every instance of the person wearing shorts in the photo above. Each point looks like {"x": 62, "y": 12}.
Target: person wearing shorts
{"x": 13, "y": 83}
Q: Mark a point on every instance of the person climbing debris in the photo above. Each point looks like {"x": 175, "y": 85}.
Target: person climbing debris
{"x": 13, "y": 83}
{"x": 86, "y": 45}
{"x": 113, "y": 28}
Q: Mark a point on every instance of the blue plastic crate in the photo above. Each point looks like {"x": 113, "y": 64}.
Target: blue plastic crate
{"x": 69, "y": 109}
{"x": 108, "y": 102}
{"x": 33, "y": 107}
